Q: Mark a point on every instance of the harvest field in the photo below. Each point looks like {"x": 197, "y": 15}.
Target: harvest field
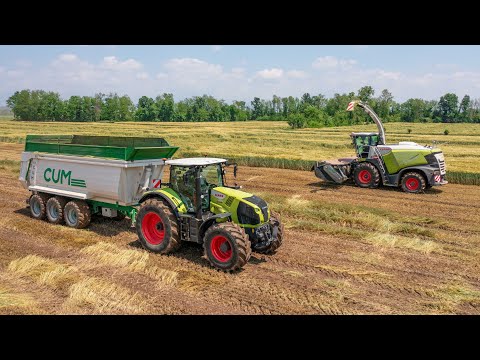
{"x": 273, "y": 143}
{"x": 346, "y": 250}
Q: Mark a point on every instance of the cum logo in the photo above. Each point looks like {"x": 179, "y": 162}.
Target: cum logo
{"x": 60, "y": 176}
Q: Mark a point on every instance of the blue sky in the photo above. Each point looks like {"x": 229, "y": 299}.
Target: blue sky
{"x": 234, "y": 72}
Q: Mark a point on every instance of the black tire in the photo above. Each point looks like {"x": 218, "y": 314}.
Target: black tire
{"x": 77, "y": 214}
{"x": 157, "y": 227}
{"x": 55, "y": 209}
{"x": 226, "y": 246}
{"x": 413, "y": 182}
{"x": 366, "y": 175}
{"x": 277, "y": 242}
{"x": 38, "y": 206}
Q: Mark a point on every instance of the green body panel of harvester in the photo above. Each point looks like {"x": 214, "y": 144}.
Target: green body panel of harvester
{"x": 408, "y": 165}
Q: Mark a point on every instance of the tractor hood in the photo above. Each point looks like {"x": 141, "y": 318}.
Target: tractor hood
{"x": 221, "y": 193}
{"x": 247, "y": 209}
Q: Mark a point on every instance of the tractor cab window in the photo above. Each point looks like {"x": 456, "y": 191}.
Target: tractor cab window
{"x": 186, "y": 189}
{"x": 182, "y": 180}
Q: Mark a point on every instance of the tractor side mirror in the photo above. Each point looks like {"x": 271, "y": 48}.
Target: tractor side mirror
{"x": 235, "y": 171}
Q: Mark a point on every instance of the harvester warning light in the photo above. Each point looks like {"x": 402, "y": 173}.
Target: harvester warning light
{"x": 157, "y": 183}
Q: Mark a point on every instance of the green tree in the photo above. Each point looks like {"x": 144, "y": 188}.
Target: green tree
{"x": 146, "y": 110}
{"x": 464, "y": 107}
{"x": 448, "y": 107}
{"x": 365, "y": 93}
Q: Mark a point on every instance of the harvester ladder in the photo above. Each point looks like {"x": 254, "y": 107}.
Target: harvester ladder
{"x": 380, "y": 162}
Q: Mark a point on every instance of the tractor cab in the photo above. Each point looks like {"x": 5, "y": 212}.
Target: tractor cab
{"x": 210, "y": 173}
{"x": 362, "y": 142}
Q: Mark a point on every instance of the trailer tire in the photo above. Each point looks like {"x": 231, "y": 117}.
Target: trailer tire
{"x": 366, "y": 175}
{"x": 276, "y": 243}
{"x": 55, "y": 209}
{"x": 38, "y": 206}
{"x": 77, "y": 214}
{"x": 413, "y": 182}
{"x": 227, "y": 246}
{"x": 157, "y": 227}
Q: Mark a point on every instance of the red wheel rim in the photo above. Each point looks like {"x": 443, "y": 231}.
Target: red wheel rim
{"x": 152, "y": 228}
{"x": 364, "y": 176}
{"x": 412, "y": 183}
{"x": 221, "y": 248}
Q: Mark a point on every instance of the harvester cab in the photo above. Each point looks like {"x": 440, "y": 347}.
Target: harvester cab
{"x": 407, "y": 164}
{"x": 198, "y": 206}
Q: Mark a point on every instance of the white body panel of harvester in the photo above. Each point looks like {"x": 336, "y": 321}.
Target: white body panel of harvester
{"x": 112, "y": 181}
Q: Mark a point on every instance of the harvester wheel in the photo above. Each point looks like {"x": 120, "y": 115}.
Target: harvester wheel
{"x": 38, "y": 206}
{"x": 227, "y": 246}
{"x": 366, "y": 175}
{"x": 157, "y": 227}
{"x": 55, "y": 209}
{"x": 77, "y": 214}
{"x": 277, "y": 242}
{"x": 413, "y": 182}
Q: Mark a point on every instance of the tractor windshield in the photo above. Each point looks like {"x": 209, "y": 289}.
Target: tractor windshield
{"x": 212, "y": 175}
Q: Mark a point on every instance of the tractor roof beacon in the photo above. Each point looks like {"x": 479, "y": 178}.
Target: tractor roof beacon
{"x": 408, "y": 165}
{"x": 73, "y": 177}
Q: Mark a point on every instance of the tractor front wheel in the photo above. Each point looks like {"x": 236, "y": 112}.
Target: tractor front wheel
{"x": 157, "y": 227}
{"x": 227, "y": 246}
{"x": 277, "y": 242}
{"x": 366, "y": 175}
{"x": 413, "y": 182}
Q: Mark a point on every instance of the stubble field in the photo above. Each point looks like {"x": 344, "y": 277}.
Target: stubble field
{"x": 346, "y": 251}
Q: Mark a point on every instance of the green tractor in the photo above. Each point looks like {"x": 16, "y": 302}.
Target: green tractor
{"x": 198, "y": 206}
{"x": 408, "y": 165}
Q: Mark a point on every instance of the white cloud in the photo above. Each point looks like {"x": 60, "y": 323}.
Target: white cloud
{"x": 216, "y": 48}
{"x": 112, "y": 63}
{"x": 142, "y": 75}
{"x": 67, "y": 57}
{"x": 273, "y": 73}
{"x": 297, "y": 74}
{"x": 331, "y": 62}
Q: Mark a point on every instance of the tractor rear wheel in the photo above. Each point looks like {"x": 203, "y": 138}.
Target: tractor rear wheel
{"x": 77, "y": 214}
{"x": 38, "y": 206}
{"x": 413, "y": 182}
{"x": 157, "y": 227}
{"x": 366, "y": 175}
{"x": 277, "y": 242}
{"x": 55, "y": 209}
{"x": 227, "y": 246}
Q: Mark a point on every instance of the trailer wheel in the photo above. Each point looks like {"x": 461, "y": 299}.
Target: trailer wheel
{"x": 366, "y": 175}
{"x": 276, "y": 243}
{"x": 38, "y": 206}
{"x": 77, "y": 214}
{"x": 227, "y": 246}
{"x": 413, "y": 182}
{"x": 55, "y": 209}
{"x": 157, "y": 227}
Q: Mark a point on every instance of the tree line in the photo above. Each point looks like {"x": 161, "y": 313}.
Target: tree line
{"x": 306, "y": 111}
